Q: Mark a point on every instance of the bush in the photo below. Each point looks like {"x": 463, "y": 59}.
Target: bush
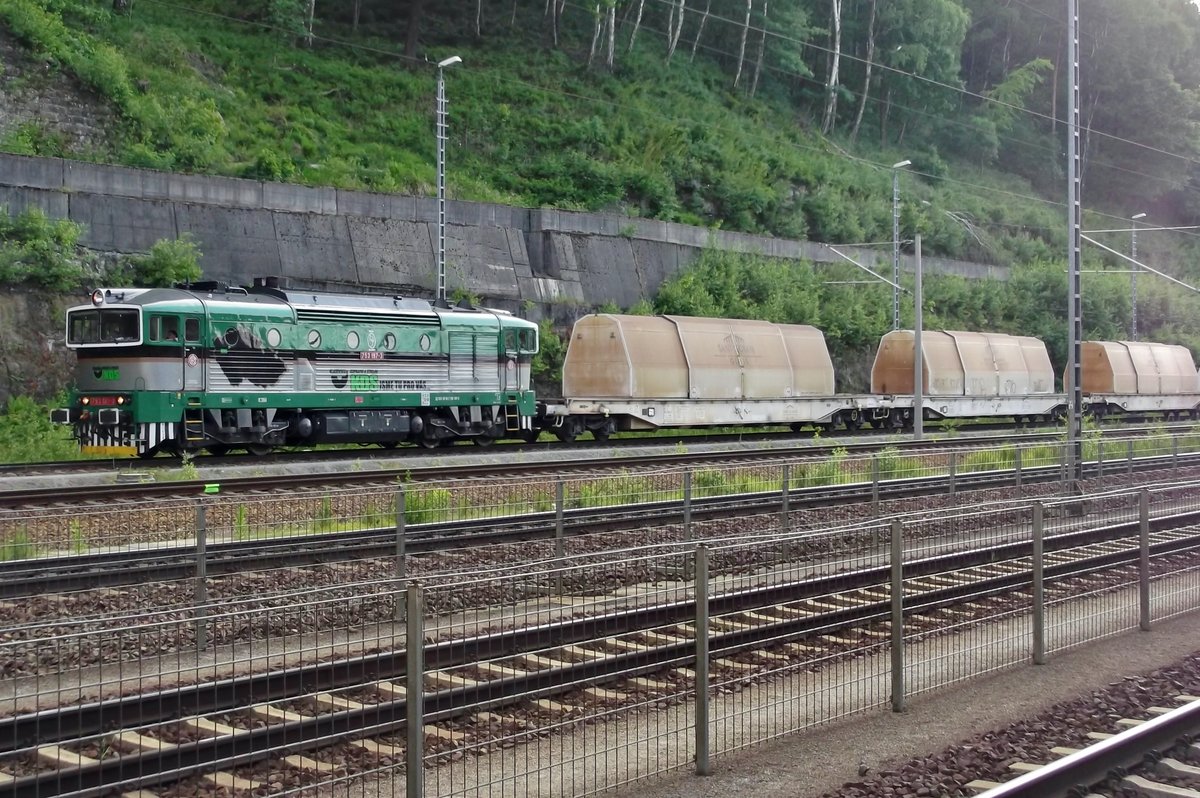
{"x": 37, "y": 250}
{"x": 27, "y": 436}
{"x": 168, "y": 262}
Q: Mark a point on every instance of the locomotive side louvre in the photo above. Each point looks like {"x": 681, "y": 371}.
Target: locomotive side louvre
{"x": 260, "y": 367}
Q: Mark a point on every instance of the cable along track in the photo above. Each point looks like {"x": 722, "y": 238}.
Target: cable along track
{"x": 601, "y": 657}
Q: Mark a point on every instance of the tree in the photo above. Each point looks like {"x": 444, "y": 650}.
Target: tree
{"x": 869, "y": 61}
{"x": 835, "y": 60}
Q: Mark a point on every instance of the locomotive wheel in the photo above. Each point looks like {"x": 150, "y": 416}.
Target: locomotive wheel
{"x": 601, "y": 434}
{"x": 531, "y": 435}
{"x": 483, "y": 440}
{"x": 429, "y": 443}
{"x": 258, "y": 449}
{"x": 146, "y": 455}
{"x": 219, "y": 449}
{"x": 388, "y": 444}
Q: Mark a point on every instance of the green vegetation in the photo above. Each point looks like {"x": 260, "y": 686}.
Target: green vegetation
{"x": 36, "y": 250}
{"x": 16, "y": 545}
{"x": 27, "y": 436}
{"x": 682, "y": 130}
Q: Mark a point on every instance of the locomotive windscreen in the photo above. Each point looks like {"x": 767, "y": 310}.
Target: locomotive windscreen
{"x": 108, "y": 326}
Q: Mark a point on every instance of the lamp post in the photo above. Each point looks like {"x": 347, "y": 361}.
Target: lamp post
{"x": 1133, "y": 275}
{"x": 441, "y": 174}
{"x": 896, "y": 167}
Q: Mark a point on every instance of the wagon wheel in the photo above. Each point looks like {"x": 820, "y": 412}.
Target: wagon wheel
{"x": 258, "y": 449}
{"x": 601, "y": 434}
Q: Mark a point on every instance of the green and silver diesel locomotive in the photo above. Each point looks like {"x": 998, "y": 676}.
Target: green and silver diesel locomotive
{"x": 206, "y": 366}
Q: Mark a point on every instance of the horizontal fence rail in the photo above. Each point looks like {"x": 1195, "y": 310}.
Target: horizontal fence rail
{"x": 561, "y": 664}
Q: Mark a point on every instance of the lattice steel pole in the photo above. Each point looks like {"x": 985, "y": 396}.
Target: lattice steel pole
{"x": 1074, "y": 303}
{"x": 441, "y": 174}
{"x": 896, "y": 167}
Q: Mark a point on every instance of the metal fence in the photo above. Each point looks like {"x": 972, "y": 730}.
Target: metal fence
{"x": 559, "y": 665}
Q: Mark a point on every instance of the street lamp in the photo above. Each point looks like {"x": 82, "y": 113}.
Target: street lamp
{"x": 896, "y": 167}
{"x": 441, "y": 175}
{"x": 1133, "y": 275}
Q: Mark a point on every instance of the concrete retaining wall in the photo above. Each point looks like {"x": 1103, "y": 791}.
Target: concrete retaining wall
{"x": 549, "y": 261}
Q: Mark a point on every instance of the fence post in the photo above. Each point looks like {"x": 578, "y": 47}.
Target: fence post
{"x": 687, "y": 522}
{"x": 1174, "y": 457}
{"x": 1100, "y": 457}
{"x": 1039, "y": 585}
{"x": 1017, "y": 467}
{"x": 414, "y": 691}
{"x": 559, "y": 550}
{"x": 201, "y": 575}
{"x": 953, "y": 474}
{"x": 785, "y": 520}
{"x": 702, "y": 697}
{"x": 897, "y": 617}
{"x": 401, "y": 557}
{"x": 875, "y": 484}
{"x": 1144, "y": 559}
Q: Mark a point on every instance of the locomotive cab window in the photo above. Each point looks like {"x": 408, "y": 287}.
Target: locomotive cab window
{"x": 510, "y": 340}
{"x": 528, "y": 341}
{"x": 103, "y": 327}
{"x": 164, "y": 329}
{"x": 191, "y": 330}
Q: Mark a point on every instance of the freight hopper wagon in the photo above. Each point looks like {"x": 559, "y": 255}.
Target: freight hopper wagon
{"x": 208, "y": 366}
{"x": 969, "y": 375}
{"x": 1138, "y": 377}
{"x": 626, "y": 373}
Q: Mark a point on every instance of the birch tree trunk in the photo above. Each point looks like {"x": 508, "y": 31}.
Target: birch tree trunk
{"x": 673, "y": 34}
{"x": 357, "y": 11}
{"x": 637, "y": 23}
{"x": 599, "y": 23}
{"x": 612, "y": 35}
{"x": 742, "y": 49}
{"x": 835, "y": 62}
{"x": 700, "y": 30}
{"x": 478, "y": 17}
{"x": 866, "y": 89}
{"x": 762, "y": 48}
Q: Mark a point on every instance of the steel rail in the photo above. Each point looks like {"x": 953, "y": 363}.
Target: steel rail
{"x": 180, "y": 761}
{"x": 66, "y": 723}
{"x": 369, "y": 452}
{"x": 1072, "y": 774}
{"x": 35, "y": 576}
{"x": 280, "y": 482}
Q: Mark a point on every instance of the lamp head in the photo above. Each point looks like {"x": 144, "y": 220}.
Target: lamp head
{"x": 451, "y": 61}
{"x": 1138, "y": 216}
{"x": 902, "y": 164}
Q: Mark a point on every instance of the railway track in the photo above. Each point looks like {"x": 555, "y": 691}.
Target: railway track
{"x": 57, "y": 495}
{"x": 1139, "y": 747}
{"x": 58, "y": 574}
{"x": 483, "y": 674}
{"x": 547, "y": 444}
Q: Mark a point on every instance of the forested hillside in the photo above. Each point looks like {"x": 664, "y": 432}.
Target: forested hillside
{"x": 781, "y": 117}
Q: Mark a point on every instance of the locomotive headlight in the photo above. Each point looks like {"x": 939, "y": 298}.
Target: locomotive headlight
{"x": 85, "y": 401}
{"x": 98, "y": 297}
{"x": 120, "y": 400}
